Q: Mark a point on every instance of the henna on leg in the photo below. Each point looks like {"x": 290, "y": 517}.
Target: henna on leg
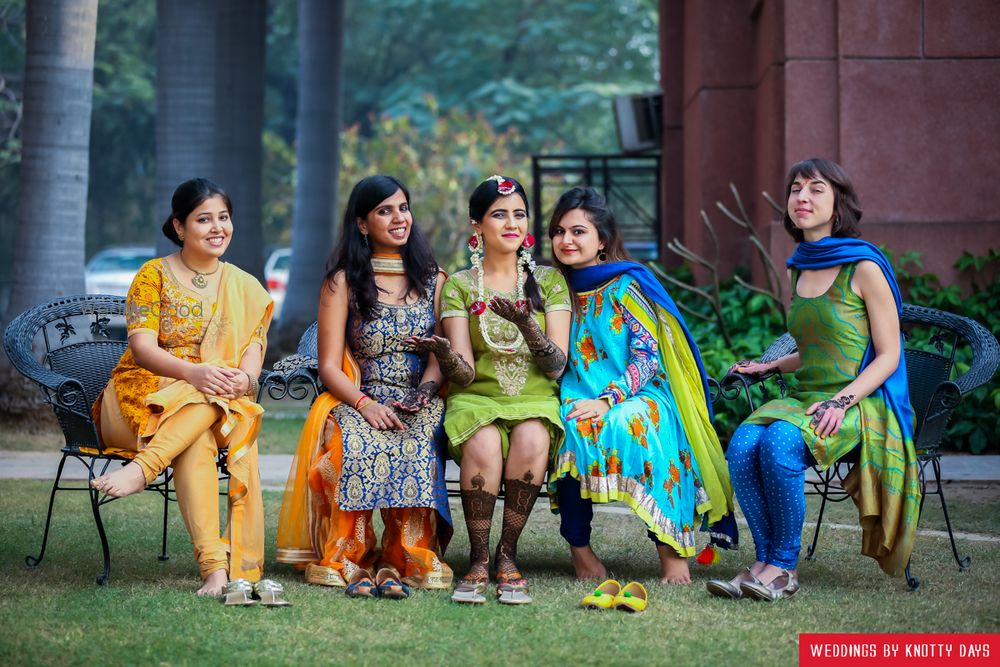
{"x": 478, "y": 505}
{"x": 519, "y": 499}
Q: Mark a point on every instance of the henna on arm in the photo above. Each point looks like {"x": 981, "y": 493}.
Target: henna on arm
{"x": 843, "y": 403}
{"x": 417, "y": 397}
{"x": 453, "y": 365}
{"x": 550, "y": 359}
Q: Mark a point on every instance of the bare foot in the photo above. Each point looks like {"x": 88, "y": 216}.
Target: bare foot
{"x": 213, "y": 584}
{"x": 673, "y": 568}
{"x": 586, "y": 564}
{"x": 123, "y": 482}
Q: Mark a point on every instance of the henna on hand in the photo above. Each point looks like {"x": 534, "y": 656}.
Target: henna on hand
{"x": 454, "y": 367}
{"x": 417, "y": 397}
{"x": 840, "y": 403}
{"x": 550, "y": 359}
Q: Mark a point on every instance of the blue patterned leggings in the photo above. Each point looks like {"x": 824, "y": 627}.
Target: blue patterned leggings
{"x": 767, "y": 466}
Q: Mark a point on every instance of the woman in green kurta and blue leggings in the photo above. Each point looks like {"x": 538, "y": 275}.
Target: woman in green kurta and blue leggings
{"x": 507, "y": 326}
{"x": 852, "y": 392}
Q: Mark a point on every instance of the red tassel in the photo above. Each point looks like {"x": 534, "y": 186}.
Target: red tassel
{"x": 709, "y": 556}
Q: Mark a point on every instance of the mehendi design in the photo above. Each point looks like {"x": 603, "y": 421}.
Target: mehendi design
{"x": 418, "y": 397}
{"x": 821, "y": 409}
{"x": 454, "y": 367}
{"x": 519, "y": 499}
{"x": 550, "y": 359}
{"x": 478, "y": 505}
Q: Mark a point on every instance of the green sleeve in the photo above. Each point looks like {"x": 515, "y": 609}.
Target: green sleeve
{"x": 454, "y": 297}
{"x": 555, "y": 294}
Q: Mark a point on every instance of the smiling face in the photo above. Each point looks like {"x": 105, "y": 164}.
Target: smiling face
{"x": 388, "y": 224}
{"x": 575, "y": 241}
{"x": 207, "y": 230}
{"x": 504, "y": 225}
{"x": 811, "y": 203}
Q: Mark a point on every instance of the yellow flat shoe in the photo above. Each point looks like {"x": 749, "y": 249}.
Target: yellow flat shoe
{"x": 633, "y": 598}
{"x": 603, "y": 596}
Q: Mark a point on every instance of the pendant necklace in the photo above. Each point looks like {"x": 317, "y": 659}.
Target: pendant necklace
{"x": 199, "y": 280}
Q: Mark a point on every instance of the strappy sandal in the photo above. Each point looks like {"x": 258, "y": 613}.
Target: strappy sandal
{"x": 512, "y": 588}
{"x": 269, "y": 592}
{"x": 603, "y": 596}
{"x": 237, "y": 593}
{"x": 470, "y": 591}
{"x": 361, "y": 585}
{"x": 387, "y": 581}
{"x": 723, "y": 588}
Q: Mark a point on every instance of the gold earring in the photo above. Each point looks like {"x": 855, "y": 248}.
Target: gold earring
{"x": 181, "y": 237}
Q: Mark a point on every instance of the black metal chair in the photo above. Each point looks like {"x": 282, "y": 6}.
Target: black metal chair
{"x": 932, "y": 340}
{"x": 296, "y": 376}
{"x": 69, "y": 347}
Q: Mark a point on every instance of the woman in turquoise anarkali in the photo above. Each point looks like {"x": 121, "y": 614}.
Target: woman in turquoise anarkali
{"x": 633, "y": 398}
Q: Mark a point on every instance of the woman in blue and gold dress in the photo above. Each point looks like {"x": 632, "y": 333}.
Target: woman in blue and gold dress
{"x": 373, "y": 439}
{"x": 638, "y": 421}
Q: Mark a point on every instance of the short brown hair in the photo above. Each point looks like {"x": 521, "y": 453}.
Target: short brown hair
{"x": 846, "y": 208}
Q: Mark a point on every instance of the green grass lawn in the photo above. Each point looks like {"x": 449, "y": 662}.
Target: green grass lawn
{"x": 149, "y": 614}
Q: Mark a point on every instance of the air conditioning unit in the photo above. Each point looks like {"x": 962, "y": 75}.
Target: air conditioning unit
{"x": 639, "y": 119}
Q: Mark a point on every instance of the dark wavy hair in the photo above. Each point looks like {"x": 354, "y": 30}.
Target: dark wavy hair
{"x": 188, "y": 196}
{"x": 846, "y": 207}
{"x": 353, "y": 256}
{"x": 598, "y": 212}
{"x": 480, "y": 201}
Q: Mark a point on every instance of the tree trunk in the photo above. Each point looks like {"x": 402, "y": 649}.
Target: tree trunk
{"x": 239, "y": 121}
{"x": 186, "y": 33}
{"x": 321, "y": 37}
{"x": 52, "y": 192}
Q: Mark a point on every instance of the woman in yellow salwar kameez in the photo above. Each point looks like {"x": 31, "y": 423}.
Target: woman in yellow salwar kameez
{"x": 373, "y": 440}
{"x": 185, "y": 388}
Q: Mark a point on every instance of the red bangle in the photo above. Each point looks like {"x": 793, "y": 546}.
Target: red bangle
{"x": 359, "y": 402}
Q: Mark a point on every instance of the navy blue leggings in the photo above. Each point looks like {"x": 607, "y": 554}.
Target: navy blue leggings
{"x": 767, "y": 466}
{"x": 576, "y": 513}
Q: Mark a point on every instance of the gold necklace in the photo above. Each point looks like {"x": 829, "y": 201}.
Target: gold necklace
{"x": 199, "y": 279}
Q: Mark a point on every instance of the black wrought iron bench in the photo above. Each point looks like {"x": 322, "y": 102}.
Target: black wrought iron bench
{"x": 936, "y": 387}
{"x": 69, "y": 347}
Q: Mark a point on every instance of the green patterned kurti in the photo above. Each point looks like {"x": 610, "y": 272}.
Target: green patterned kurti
{"x": 509, "y": 388}
{"x": 832, "y": 334}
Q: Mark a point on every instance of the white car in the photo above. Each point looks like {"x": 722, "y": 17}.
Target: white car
{"x": 276, "y": 275}
{"x": 111, "y": 270}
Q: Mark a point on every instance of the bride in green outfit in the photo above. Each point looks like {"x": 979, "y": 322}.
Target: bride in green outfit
{"x": 507, "y": 326}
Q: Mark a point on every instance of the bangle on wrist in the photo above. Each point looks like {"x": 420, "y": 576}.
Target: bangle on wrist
{"x": 361, "y": 402}
{"x": 254, "y": 385}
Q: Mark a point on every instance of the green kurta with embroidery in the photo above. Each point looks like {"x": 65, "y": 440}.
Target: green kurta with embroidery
{"x": 509, "y": 388}
{"x": 832, "y": 333}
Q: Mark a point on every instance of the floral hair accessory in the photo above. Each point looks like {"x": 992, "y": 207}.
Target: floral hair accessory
{"x": 505, "y": 186}
{"x": 528, "y": 242}
{"x": 474, "y": 243}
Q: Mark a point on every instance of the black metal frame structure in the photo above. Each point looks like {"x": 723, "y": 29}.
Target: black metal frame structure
{"x": 613, "y": 175}
{"x": 934, "y": 394}
{"x": 71, "y": 368}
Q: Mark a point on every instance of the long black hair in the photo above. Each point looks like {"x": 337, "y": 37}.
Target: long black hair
{"x": 480, "y": 201}
{"x": 188, "y": 196}
{"x": 846, "y": 207}
{"x": 598, "y": 212}
{"x": 353, "y": 256}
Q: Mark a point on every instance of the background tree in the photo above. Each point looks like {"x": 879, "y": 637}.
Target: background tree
{"x": 186, "y": 32}
{"x": 318, "y": 157}
{"x": 239, "y": 112}
{"x": 52, "y": 193}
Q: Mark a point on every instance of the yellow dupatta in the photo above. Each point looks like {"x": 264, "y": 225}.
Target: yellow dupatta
{"x": 242, "y": 306}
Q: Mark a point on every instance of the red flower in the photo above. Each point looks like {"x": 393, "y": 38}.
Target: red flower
{"x": 473, "y": 242}
{"x": 529, "y": 241}
{"x": 478, "y": 308}
{"x": 520, "y": 304}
